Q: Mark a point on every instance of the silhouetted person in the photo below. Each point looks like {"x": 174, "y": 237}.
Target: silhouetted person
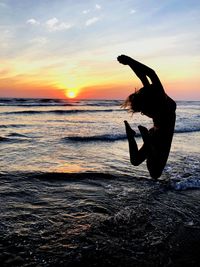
{"x": 152, "y": 101}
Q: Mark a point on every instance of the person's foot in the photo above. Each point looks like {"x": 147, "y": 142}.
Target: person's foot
{"x": 129, "y": 131}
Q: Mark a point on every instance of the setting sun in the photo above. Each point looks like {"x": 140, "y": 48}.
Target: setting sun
{"x": 72, "y": 93}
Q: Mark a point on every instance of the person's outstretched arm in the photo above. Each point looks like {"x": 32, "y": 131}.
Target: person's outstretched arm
{"x": 141, "y": 71}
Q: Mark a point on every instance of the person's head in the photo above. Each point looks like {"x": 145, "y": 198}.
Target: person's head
{"x": 145, "y": 100}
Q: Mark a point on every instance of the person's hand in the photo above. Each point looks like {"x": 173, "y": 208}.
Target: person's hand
{"x": 129, "y": 131}
{"x": 123, "y": 59}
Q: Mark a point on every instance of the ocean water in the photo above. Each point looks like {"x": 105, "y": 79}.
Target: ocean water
{"x": 47, "y": 135}
{"x": 67, "y": 186}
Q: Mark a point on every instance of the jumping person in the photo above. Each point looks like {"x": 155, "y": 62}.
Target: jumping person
{"x": 152, "y": 101}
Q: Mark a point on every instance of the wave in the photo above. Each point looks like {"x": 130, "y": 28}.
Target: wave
{"x": 80, "y": 111}
{"x": 113, "y": 137}
{"x": 9, "y": 140}
{"x": 187, "y": 130}
{"x": 14, "y": 137}
{"x": 58, "y": 111}
{"x": 4, "y": 139}
{"x": 101, "y": 103}
{"x": 96, "y": 138}
{"x": 184, "y": 184}
{"x": 13, "y": 140}
{"x": 34, "y": 102}
{"x": 56, "y": 102}
{"x": 13, "y": 125}
{"x": 68, "y": 176}
{"x": 18, "y": 135}
{"x": 22, "y": 112}
{"x": 59, "y": 176}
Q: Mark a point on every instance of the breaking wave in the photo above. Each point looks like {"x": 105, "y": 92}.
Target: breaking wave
{"x": 96, "y": 138}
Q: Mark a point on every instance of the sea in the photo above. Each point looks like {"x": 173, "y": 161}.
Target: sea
{"x": 69, "y": 194}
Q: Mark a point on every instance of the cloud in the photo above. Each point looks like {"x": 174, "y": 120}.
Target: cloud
{"x": 86, "y": 11}
{"x": 39, "y": 40}
{"x": 3, "y": 5}
{"x": 54, "y": 25}
{"x": 132, "y": 11}
{"x": 51, "y": 23}
{"x": 97, "y": 6}
{"x": 32, "y": 22}
{"x": 5, "y": 72}
{"x": 91, "y": 21}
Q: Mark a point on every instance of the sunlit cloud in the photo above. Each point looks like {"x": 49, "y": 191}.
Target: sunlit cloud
{"x": 32, "y": 22}
{"x": 5, "y": 72}
{"x": 54, "y": 25}
{"x": 91, "y": 21}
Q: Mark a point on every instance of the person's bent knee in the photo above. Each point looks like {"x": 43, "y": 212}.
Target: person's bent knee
{"x": 155, "y": 174}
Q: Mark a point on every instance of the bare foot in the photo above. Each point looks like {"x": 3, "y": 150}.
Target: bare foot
{"x": 129, "y": 131}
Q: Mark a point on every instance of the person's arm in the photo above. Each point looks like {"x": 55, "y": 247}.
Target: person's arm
{"x": 141, "y": 71}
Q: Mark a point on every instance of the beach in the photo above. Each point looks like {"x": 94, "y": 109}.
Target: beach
{"x": 70, "y": 197}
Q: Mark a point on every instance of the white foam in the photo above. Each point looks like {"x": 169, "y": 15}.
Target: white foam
{"x": 186, "y": 183}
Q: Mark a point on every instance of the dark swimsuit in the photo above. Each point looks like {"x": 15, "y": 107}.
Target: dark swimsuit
{"x": 160, "y": 135}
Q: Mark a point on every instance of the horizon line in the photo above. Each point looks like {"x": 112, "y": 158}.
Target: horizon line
{"x": 83, "y": 99}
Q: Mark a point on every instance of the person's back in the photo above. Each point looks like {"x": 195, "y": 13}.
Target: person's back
{"x": 161, "y": 138}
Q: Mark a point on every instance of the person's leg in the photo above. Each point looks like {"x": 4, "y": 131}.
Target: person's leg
{"x": 154, "y": 159}
{"x": 136, "y": 156}
{"x": 155, "y": 167}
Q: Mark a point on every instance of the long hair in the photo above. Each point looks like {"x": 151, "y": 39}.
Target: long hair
{"x": 146, "y": 99}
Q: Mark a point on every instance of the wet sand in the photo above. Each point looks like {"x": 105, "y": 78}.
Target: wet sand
{"x": 153, "y": 225}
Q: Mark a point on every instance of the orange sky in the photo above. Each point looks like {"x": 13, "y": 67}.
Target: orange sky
{"x": 73, "y": 48}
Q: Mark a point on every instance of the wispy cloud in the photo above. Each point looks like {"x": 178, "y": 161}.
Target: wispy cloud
{"x": 39, "y": 40}
{"x": 91, "y": 21}
{"x": 86, "y": 11}
{"x": 3, "y": 4}
{"x": 5, "y": 72}
{"x": 54, "y": 24}
{"x": 133, "y": 11}
{"x": 33, "y": 21}
{"x": 51, "y": 23}
{"x": 97, "y": 6}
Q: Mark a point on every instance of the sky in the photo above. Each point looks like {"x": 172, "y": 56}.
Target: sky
{"x": 67, "y": 48}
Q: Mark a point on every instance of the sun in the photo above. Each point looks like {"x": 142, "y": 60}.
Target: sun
{"x": 71, "y": 93}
